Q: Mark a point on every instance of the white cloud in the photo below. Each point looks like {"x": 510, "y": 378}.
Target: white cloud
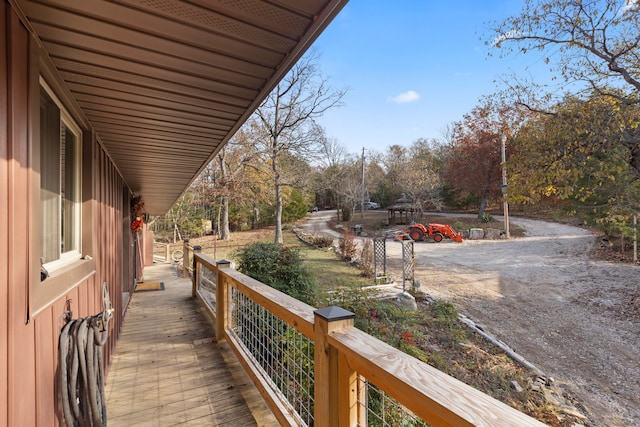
{"x": 406, "y": 97}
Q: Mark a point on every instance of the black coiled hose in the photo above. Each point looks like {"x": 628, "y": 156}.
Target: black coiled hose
{"x": 82, "y": 402}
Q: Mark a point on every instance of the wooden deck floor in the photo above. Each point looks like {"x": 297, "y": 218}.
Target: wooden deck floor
{"x": 168, "y": 371}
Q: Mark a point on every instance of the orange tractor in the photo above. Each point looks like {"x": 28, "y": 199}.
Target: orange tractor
{"x": 437, "y": 232}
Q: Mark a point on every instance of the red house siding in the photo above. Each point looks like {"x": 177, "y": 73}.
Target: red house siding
{"x": 29, "y": 346}
{"x": 4, "y": 221}
{"x": 18, "y": 375}
{"x": 108, "y": 240}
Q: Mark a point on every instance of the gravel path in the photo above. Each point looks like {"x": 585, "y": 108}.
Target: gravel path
{"x": 574, "y": 318}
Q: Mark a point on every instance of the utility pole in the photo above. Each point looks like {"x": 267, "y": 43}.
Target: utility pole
{"x": 504, "y": 185}
{"x": 362, "y": 202}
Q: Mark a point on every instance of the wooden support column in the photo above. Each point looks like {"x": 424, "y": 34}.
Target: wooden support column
{"x": 196, "y": 276}
{"x": 335, "y": 382}
{"x": 148, "y": 247}
{"x": 222, "y": 293}
{"x": 350, "y": 392}
{"x": 185, "y": 258}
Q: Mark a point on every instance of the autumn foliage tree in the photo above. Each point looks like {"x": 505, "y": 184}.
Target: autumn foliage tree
{"x": 574, "y": 153}
{"x": 473, "y": 164}
{"x": 585, "y": 147}
{"x": 593, "y": 46}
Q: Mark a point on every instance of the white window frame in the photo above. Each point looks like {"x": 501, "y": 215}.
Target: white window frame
{"x": 69, "y": 256}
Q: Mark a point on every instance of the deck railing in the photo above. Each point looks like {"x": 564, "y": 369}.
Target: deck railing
{"x": 313, "y": 367}
{"x": 161, "y": 251}
{"x": 184, "y": 258}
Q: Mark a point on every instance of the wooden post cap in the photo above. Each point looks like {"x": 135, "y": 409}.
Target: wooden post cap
{"x": 333, "y": 313}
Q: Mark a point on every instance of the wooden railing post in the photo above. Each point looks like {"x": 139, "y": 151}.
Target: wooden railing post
{"x": 167, "y": 255}
{"x": 196, "y": 277}
{"x": 222, "y": 293}
{"x": 335, "y": 402}
{"x": 185, "y": 258}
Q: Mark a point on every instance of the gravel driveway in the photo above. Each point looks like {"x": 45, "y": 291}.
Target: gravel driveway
{"x": 574, "y": 318}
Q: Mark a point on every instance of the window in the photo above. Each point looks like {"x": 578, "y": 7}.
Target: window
{"x": 60, "y": 188}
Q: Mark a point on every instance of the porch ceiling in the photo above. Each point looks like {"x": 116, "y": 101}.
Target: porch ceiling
{"x": 166, "y": 83}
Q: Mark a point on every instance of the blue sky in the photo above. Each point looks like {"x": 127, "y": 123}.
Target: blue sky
{"x": 412, "y": 67}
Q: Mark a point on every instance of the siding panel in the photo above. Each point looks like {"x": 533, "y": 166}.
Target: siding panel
{"x": 46, "y": 360}
{"x": 108, "y": 232}
{"x": 4, "y": 222}
{"x": 21, "y": 345}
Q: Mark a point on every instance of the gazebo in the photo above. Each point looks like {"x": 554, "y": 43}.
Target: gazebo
{"x": 402, "y": 211}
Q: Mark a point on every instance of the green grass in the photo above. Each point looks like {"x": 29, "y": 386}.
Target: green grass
{"x": 325, "y": 265}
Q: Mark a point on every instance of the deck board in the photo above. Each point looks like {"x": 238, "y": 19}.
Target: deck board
{"x": 168, "y": 371}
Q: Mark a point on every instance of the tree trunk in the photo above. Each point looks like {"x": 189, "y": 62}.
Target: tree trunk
{"x": 278, "y": 238}
{"x": 278, "y": 189}
{"x": 177, "y": 237}
{"x": 483, "y": 206}
{"x": 225, "y": 234}
{"x": 255, "y": 218}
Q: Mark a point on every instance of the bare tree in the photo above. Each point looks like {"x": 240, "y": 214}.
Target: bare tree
{"x": 414, "y": 172}
{"x": 333, "y": 159}
{"x": 596, "y": 42}
{"x": 350, "y": 189}
{"x": 223, "y": 225}
{"x": 331, "y": 153}
{"x": 286, "y": 119}
{"x": 226, "y": 178}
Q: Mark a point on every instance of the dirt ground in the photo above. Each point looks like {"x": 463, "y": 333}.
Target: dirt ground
{"x": 575, "y": 318}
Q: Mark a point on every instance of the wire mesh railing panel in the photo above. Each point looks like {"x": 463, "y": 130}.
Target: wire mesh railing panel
{"x": 283, "y": 354}
{"x": 381, "y": 410}
{"x": 207, "y": 286}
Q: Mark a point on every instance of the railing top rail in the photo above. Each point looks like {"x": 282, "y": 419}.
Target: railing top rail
{"x": 294, "y": 312}
{"x": 429, "y": 393}
{"x": 207, "y": 261}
